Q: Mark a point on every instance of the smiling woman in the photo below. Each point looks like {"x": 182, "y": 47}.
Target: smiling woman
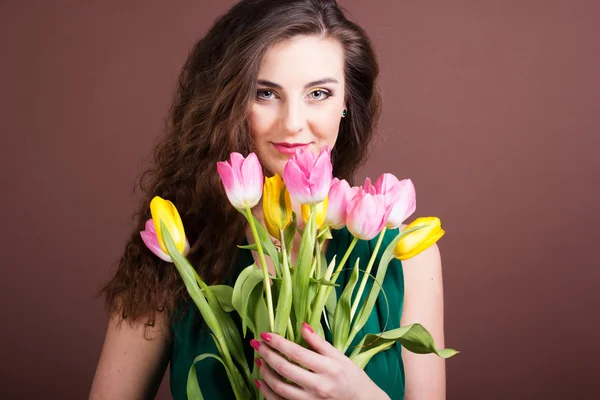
{"x": 270, "y": 77}
{"x": 299, "y": 100}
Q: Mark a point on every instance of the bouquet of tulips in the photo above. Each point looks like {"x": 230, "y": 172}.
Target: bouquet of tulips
{"x": 304, "y": 290}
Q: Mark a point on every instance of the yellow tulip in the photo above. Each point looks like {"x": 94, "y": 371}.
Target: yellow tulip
{"x": 277, "y": 212}
{"x": 164, "y": 211}
{"x": 321, "y": 212}
{"x": 417, "y": 241}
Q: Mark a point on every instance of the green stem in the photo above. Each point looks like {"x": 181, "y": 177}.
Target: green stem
{"x": 325, "y": 291}
{"x": 266, "y": 279}
{"x": 290, "y": 330}
{"x": 366, "y": 274}
{"x": 284, "y": 304}
{"x": 322, "y": 296}
{"x": 318, "y": 257}
{"x": 344, "y": 259}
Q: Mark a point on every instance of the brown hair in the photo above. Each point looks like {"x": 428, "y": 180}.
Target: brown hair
{"x": 207, "y": 121}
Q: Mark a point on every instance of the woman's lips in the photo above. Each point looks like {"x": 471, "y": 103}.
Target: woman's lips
{"x": 290, "y": 148}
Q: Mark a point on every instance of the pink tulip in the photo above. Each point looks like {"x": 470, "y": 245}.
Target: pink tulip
{"x": 366, "y": 215}
{"x": 151, "y": 241}
{"x": 339, "y": 196}
{"x": 369, "y": 188}
{"x": 400, "y": 194}
{"x": 242, "y": 179}
{"x": 308, "y": 176}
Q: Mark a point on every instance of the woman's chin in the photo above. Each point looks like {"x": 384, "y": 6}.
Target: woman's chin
{"x": 277, "y": 167}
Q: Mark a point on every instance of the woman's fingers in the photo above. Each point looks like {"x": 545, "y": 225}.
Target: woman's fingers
{"x": 305, "y": 357}
{"x": 320, "y": 345}
{"x": 284, "y": 367}
{"x": 266, "y": 390}
{"x": 274, "y": 385}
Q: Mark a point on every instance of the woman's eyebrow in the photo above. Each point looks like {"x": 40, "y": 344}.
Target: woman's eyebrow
{"x": 309, "y": 84}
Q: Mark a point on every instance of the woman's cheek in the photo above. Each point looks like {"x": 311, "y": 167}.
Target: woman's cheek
{"x": 327, "y": 131}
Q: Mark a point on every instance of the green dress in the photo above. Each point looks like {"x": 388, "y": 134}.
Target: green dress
{"x": 386, "y": 369}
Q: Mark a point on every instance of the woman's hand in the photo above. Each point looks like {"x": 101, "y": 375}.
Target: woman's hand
{"x": 330, "y": 374}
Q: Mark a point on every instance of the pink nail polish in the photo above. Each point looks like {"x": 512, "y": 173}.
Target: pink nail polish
{"x": 307, "y": 326}
{"x": 266, "y": 337}
{"x": 257, "y": 362}
{"x": 255, "y": 344}
{"x": 257, "y": 383}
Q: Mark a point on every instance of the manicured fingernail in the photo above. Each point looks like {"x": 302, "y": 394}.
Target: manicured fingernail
{"x": 266, "y": 337}
{"x": 257, "y": 362}
{"x": 255, "y": 344}
{"x": 307, "y": 326}
{"x": 257, "y": 383}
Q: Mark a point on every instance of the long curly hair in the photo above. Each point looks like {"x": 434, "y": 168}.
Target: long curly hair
{"x": 208, "y": 120}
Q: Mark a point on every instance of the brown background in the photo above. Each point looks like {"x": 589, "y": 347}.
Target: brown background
{"x": 491, "y": 107}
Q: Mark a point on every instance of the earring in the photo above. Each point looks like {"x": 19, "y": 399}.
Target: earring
{"x": 344, "y": 113}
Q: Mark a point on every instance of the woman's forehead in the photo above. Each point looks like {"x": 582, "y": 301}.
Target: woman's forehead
{"x": 303, "y": 59}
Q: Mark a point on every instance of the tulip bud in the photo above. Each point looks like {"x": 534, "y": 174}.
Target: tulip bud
{"x": 400, "y": 195}
{"x": 277, "y": 206}
{"x": 242, "y": 179}
{"x": 339, "y": 196}
{"x": 164, "y": 211}
{"x": 366, "y": 215}
{"x": 150, "y": 239}
{"x": 308, "y": 176}
{"x": 415, "y": 242}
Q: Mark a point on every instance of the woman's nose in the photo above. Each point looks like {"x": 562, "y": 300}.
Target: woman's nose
{"x": 294, "y": 118}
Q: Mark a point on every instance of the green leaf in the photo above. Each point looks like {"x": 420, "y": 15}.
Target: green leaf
{"x": 240, "y": 389}
{"x": 231, "y": 335}
{"x": 302, "y": 271}
{"x": 284, "y": 301}
{"x": 324, "y": 234}
{"x": 323, "y": 282}
{"x": 414, "y": 338}
{"x": 289, "y": 233}
{"x": 245, "y": 284}
{"x": 216, "y": 322}
{"x": 341, "y": 318}
{"x": 267, "y": 244}
{"x": 239, "y": 386}
{"x": 223, "y": 293}
{"x": 363, "y": 314}
{"x": 193, "y": 387}
{"x": 188, "y": 275}
{"x": 249, "y": 246}
{"x": 257, "y": 312}
{"x": 330, "y": 305}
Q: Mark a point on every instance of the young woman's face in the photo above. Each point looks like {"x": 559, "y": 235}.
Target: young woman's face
{"x": 299, "y": 99}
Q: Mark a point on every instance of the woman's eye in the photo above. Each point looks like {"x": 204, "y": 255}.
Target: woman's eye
{"x": 320, "y": 95}
{"x": 264, "y": 94}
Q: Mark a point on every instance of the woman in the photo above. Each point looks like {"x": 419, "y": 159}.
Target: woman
{"x": 271, "y": 77}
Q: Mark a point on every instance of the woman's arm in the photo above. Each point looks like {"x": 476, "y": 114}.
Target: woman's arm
{"x": 131, "y": 366}
{"x": 424, "y": 303}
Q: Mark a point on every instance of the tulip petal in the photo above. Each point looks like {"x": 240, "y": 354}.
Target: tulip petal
{"x": 417, "y": 241}
{"x": 233, "y": 187}
{"x": 405, "y": 205}
{"x": 340, "y": 194}
{"x": 321, "y": 176}
{"x": 277, "y": 211}
{"x": 297, "y": 183}
{"x": 366, "y": 215}
{"x": 306, "y": 161}
{"x": 252, "y": 178}
{"x": 368, "y": 187}
{"x": 151, "y": 241}
{"x": 165, "y": 211}
{"x": 150, "y": 227}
